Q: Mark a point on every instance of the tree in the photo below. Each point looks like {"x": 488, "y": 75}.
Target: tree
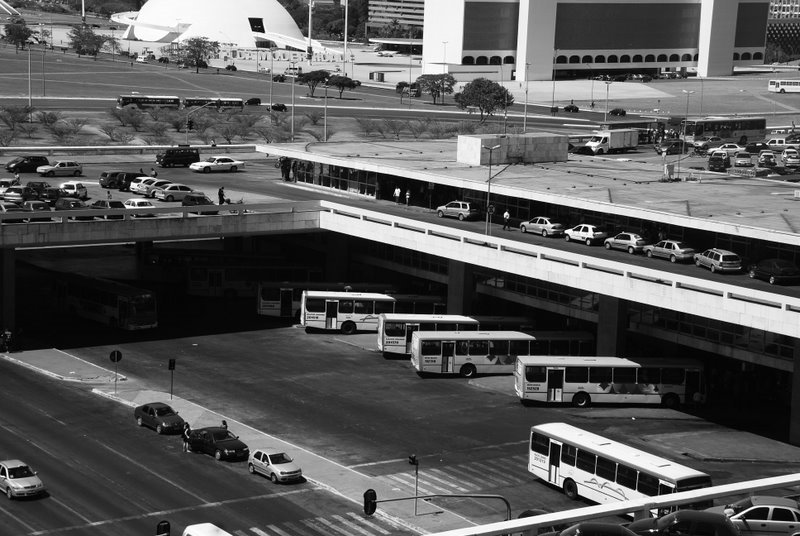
{"x": 436, "y": 84}
{"x": 312, "y": 79}
{"x": 485, "y": 95}
{"x": 85, "y": 41}
{"x": 18, "y": 33}
{"x": 198, "y": 50}
{"x": 342, "y": 82}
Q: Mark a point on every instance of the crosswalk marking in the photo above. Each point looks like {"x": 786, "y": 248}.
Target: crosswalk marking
{"x": 258, "y": 531}
{"x": 352, "y": 525}
{"x": 423, "y": 489}
{"x": 349, "y": 524}
{"x": 278, "y": 531}
{"x": 434, "y": 475}
{"x": 333, "y": 527}
{"x": 481, "y": 475}
{"x": 369, "y": 523}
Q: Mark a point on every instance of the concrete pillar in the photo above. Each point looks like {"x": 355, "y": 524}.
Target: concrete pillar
{"x": 612, "y": 326}
{"x": 8, "y": 296}
{"x": 460, "y": 288}
{"x": 794, "y": 410}
{"x": 536, "y": 38}
{"x": 337, "y": 258}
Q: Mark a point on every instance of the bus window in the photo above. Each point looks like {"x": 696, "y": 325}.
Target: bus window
{"x": 346, "y": 306}
{"x": 315, "y": 306}
{"x": 586, "y": 461}
{"x": 479, "y": 347}
{"x": 672, "y": 376}
{"x": 536, "y": 374}
{"x": 364, "y": 307}
{"x": 500, "y": 347}
{"x": 576, "y": 374}
{"x": 626, "y": 476}
{"x": 624, "y": 375}
{"x": 431, "y": 348}
{"x": 651, "y": 375}
{"x": 648, "y": 485}
{"x": 395, "y": 329}
{"x": 606, "y": 468}
{"x": 540, "y": 444}
{"x": 600, "y": 375}
{"x": 384, "y": 307}
{"x": 462, "y": 348}
{"x": 568, "y": 454}
{"x": 519, "y": 348}
{"x": 427, "y": 326}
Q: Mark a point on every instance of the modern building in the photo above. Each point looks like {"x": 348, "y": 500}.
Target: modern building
{"x": 784, "y": 9}
{"x": 538, "y": 39}
{"x": 406, "y": 12}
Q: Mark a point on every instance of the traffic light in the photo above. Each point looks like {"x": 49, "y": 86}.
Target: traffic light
{"x": 370, "y": 502}
{"x": 190, "y": 124}
{"x": 171, "y": 364}
{"x": 413, "y": 460}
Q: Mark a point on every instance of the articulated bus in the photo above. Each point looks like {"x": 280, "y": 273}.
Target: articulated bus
{"x": 149, "y": 101}
{"x": 739, "y": 130}
{"x": 587, "y": 465}
{"x": 468, "y": 352}
{"x": 282, "y": 299}
{"x": 614, "y": 380}
{"x": 395, "y": 330}
{"x": 784, "y": 86}
{"x": 224, "y": 103}
{"x": 349, "y": 312}
{"x": 105, "y": 301}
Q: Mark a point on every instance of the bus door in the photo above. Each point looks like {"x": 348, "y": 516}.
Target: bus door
{"x": 554, "y": 461}
{"x": 215, "y": 278}
{"x": 448, "y": 353}
{"x": 555, "y": 385}
{"x": 286, "y": 302}
{"x": 410, "y": 329}
{"x": 331, "y": 314}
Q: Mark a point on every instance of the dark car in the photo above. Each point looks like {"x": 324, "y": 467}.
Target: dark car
{"x": 109, "y": 204}
{"x": 51, "y": 194}
{"x": 278, "y": 107}
{"x": 685, "y": 522}
{"x": 253, "y": 101}
{"x": 124, "y": 179}
{"x": 218, "y": 442}
{"x": 183, "y": 155}
{"x": 775, "y": 271}
{"x": 198, "y": 199}
{"x": 13, "y": 209}
{"x": 37, "y": 207}
{"x": 279, "y": 78}
{"x": 672, "y": 147}
{"x": 108, "y": 178}
{"x": 70, "y": 203}
{"x": 717, "y": 163}
{"x": 39, "y": 186}
{"x": 571, "y": 108}
{"x": 160, "y": 417}
{"x": 757, "y": 147}
{"x": 26, "y": 164}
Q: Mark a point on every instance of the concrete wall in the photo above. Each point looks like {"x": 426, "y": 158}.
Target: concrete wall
{"x": 527, "y": 148}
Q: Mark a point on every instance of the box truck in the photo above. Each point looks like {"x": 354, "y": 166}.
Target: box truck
{"x": 613, "y": 141}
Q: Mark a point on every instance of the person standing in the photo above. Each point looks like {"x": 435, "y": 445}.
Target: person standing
{"x": 153, "y": 173}
{"x": 221, "y": 195}
{"x": 506, "y": 221}
{"x": 224, "y": 424}
{"x": 187, "y": 431}
{"x": 397, "y": 196}
{"x": 408, "y": 195}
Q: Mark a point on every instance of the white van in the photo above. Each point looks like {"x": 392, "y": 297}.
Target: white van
{"x": 205, "y": 529}
{"x": 141, "y": 59}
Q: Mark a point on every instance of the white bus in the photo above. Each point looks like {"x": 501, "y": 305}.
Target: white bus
{"x": 468, "y": 352}
{"x": 784, "y": 86}
{"x": 349, "y": 312}
{"x": 282, "y": 299}
{"x": 587, "y": 465}
{"x": 395, "y": 330}
{"x": 584, "y": 380}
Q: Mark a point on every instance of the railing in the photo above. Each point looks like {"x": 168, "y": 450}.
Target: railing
{"x": 121, "y": 149}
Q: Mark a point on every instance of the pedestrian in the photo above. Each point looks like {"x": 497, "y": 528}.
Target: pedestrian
{"x": 408, "y": 195}
{"x": 286, "y": 167}
{"x": 16, "y": 177}
{"x": 141, "y": 171}
{"x": 506, "y": 221}
{"x": 153, "y": 173}
{"x": 294, "y": 170}
{"x": 397, "y": 195}
{"x": 221, "y": 195}
{"x": 213, "y": 142}
{"x": 187, "y": 431}
{"x": 109, "y": 195}
{"x": 224, "y": 424}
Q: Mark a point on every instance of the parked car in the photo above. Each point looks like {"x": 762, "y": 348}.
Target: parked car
{"x": 183, "y": 155}
{"x": 743, "y": 159}
{"x": 37, "y": 207}
{"x": 17, "y": 479}
{"x": 172, "y": 192}
{"x": 274, "y": 464}
{"x": 20, "y": 194}
{"x": 51, "y": 194}
{"x": 685, "y": 522}
{"x": 136, "y": 183}
{"x": 253, "y": 101}
{"x": 68, "y": 203}
{"x": 26, "y": 164}
{"x": 5, "y": 184}
{"x": 630, "y": 242}
{"x": 38, "y": 186}
{"x": 160, "y": 417}
{"x": 151, "y": 187}
{"x": 775, "y": 271}
{"x": 726, "y": 158}
{"x": 109, "y": 204}
{"x": 75, "y": 189}
{"x": 718, "y": 260}
{"x": 278, "y": 106}
{"x": 719, "y": 162}
{"x": 61, "y": 168}
{"x": 139, "y": 204}
{"x": 217, "y": 163}
{"x": 463, "y": 210}
{"x": 198, "y": 199}
{"x": 791, "y": 158}
{"x": 767, "y": 159}
{"x": 704, "y": 143}
{"x": 218, "y": 442}
{"x": 761, "y": 515}
{"x": 756, "y": 147}
{"x": 543, "y": 226}
{"x": 126, "y": 178}
{"x": 589, "y": 234}
{"x": 674, "y": 250}
{"x": 140, "y": 186}
{"x": 14, "y": 210}
{"x": 672, "y": 147}
{"x": 730, "y": 148}
{"x": 108, "y": 178}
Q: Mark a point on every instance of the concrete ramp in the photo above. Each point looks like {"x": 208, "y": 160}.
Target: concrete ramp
{"x": 5, "y": 7}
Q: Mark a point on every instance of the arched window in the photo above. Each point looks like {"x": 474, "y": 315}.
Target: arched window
{"x": 574, "y": 59}
{"x": 674, "y": 57}
{"x": 482, "y": 60}
{"x": 758, "y": 56}
{"x": 587, "y": 59}
{"x": 613, "y": 59}
{"x": 509, "y": 59}
{"x": 661, "y": 57}
{"x": 735, "y": 56}
{"x": 624, "y": 59}
{"x": 637, "y": 58}
{"x": 561, "y": 59}
{"x": 649, "y": 58}
{"x": 467, "y": 60}
{"x": 686, "y": 57}
{"x": 600, "y": 59}
{"x": 494, "y": 60}
{"x": 746, "y": 56}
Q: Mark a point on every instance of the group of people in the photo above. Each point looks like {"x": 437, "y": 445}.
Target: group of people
{"x": 187, "y": 433}
{"x": 398, "y": 192}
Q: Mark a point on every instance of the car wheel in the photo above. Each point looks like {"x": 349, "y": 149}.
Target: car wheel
{"x": 523, "y": 228}
{"x": 348, "y": 328}
{"x": 544, "y": 233}
{"x": 607, "y": 244}
{"x": 697, "y": 263}
{"x": 631, "y": 250}
{"x": 460, "y": 217}
{"x": 581, "y": 400}
{"x": 649, "y": 254}
{"x": 234, "y": 169}
{"x": 217, "y": 455}
{"x": 752, "y": 274}
{"x": 567, "y": 238}
{"x": 9, "y": 494}
{"x": 672, "y": 258}
{"x": 468, "y": 371}
{"x": 588, "y": 242}
{"x": 274, "y": 478}
{"x": 571, "y": 489}
{"x": 50, "y": 173}
{"x": 772, "y": 280}
{"x": 170, "y": 199}
{"x": 206, "y": 169}
{"x": 159, "y": 429}
{"x": 713, "y": 268}
{"x": 440, "y": 213}
{"x": 77, "y": 173}
{"x": 251, "y": 469}
{"x": 139, "y": 421}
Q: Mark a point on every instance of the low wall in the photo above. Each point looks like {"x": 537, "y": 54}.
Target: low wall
{"x": 120, "y": 149}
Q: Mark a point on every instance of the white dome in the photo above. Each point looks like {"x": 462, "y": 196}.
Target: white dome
{"x": 237, "y": 22}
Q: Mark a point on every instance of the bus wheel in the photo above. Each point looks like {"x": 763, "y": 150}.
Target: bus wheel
{"x": 670, "y": 401}
{"x": 571, "y": 489}
{"x": 581, "y": 400}
{"x": 348, "y": 328}
{"x": 468, "y": 371}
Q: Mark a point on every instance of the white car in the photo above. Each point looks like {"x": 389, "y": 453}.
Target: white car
{"x": 791, "y": 158}
{"x": 217, "y": 163}
{"x": 589, "y": 234}
{"x": 140, "y": 204}
{"x": 62, "y": 167}
{"x": 18, "y": 480}
{"x": 75, "y": 189}
{"x": 172, "y": 192}
{"x": 276, "y": 465}
{"x": 543, "y": 226}
{"x": 140, "y": 187}
{"x": 730, "y": 148}
{"x": 149, "y": 189}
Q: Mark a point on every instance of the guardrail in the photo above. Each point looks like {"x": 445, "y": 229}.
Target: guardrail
{"x": 122, "y": 149}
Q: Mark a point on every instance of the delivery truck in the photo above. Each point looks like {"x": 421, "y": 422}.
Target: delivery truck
{"x": 612, "y": 141}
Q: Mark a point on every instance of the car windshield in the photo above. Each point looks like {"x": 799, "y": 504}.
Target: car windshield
{"x": 277, "y": 459}
{"x": 163, "y": 412}
{"x": 23, "y": 471}
{"x": 221, "y": 435}
{"x": 212, "y": 159}
{"x": 730, "y": 258}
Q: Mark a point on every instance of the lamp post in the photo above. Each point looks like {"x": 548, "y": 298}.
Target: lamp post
{"x": 190, "y": 113}
{"x": 553, "y": 102}
{"x": 415, "y": 462}
{"x": 325, "y": 120}
{"x": 685, "y": 127}
{"x": 605, "y": 115}
{"x": 344, "y": 54}
{"x": 444, "y": 67}
{"x": 525, "y": 109}
{"x": 505, "y": 99}
{"x": 489, "y": 185}
{"x": 271, "y": 73}
{"x": 701, "y": 95}
{"x": 591, "y": 76}
{"x": 293, "y": 64}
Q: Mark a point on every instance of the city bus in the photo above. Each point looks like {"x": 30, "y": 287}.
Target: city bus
{"x": 582, "y": 380}
{"x": 731, "y": 129}
{"x": 282, "y": 299}
{"x": 108, "y": 302}
{"x": 222, "y": 103}
{"x": 468, "y": 352}
{"x": 784, "y": 86}
{"x": 349, "y": 312}
{"x": 395, "y": 330}
{"x": 587, "y": 465}
{"x": 149, "y": 101}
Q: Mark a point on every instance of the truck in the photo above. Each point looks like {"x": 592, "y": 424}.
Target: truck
{"x": 612, "y": 141}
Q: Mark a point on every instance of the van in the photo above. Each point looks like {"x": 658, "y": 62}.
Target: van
{"x": 205, "y": 529}
{"x": 183, "y": 155}
{"x": 141, "y": 59}
{"x": 293, "y": 71}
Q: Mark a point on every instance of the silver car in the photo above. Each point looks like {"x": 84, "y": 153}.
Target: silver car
{"x": 588, "y": 234}
{"x": 718, "y": 260}
{"x": 18, "y": 480}
{"x": 543, "y": 226}
{"x": 62, "y": 167}
{"x": 630, "y": 242}
{"x": 762, "y": 515}
{"x": 674, "y": 250}
{"x": 275, "y": 464}
{"x": 463, "y": 210}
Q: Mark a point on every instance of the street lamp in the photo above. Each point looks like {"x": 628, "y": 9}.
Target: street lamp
{"x": 605, "y": 115}
{"x": 325, "y": 121}
{"x": 415, "y": 462}
{"x": 505, "y": 98}
{"x": 444, "y": 68}
{"x": 591, "y": 76}
{"x": 525, "y": 110}
{"x": 489, "y": 185}
{"x": 293, "y": 64}
{"x": 271, "y": 73}
{"x": 685, "y": 127}
{"x": 344, "y": 53}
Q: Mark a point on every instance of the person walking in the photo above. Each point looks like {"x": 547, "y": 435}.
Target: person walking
{"x": 187, "y": 431}
{"x": 224, "y": 424}
{"x": 397, "y": 196}
{"x": 408, "y": 195}
{"x": 506, "y": 221}
{"x": 153, "y": 173}
{"x": 221, "y": 195}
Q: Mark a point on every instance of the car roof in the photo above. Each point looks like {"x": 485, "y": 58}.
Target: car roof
{"x": 211, "y": 429}
{"x": 760, "y": 500}
{"x": 13, "y": 463}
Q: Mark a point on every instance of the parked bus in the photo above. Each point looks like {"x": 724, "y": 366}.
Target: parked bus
{"x": 468, "y": 352}
{"x": 784, "y": 86}
{"x": 614, "y": 380}
{"x": 282, "y": 299}
{"x": 395, "y": 330}
{"x": 587, "y": 465}
{"x": 349, "y": 312}
{"x": 149, "y": 101}
{"x": 731, "y": 129}
{"x": 223, "y": 103}
{"x": 105, "y": 301}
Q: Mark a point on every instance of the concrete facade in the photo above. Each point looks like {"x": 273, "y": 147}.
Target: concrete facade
{"x": 511, "y": 149}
